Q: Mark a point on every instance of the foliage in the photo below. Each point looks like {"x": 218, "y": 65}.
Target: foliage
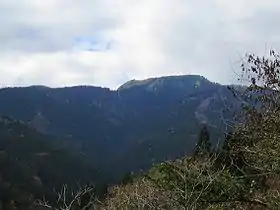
{"x": 142, "y": 194}
{"x": 243, "y": 174}
{"x": 203, "y": 146}
{"x": 81, "y": 199}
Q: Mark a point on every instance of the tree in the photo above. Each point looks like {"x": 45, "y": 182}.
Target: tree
{"x": 254, "y": 147}
{"x": 127, "y": 178}
{"x": 203, "y": 146}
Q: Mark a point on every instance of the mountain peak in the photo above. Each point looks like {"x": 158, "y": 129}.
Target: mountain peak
{"x": 174, "y": 81}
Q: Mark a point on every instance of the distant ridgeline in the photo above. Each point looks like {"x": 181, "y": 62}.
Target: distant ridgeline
{"x": 129, "y": 129}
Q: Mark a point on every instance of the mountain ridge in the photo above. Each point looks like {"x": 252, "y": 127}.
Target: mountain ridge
{"x": 149, "y": 81}
{"x": 148, "y": 123}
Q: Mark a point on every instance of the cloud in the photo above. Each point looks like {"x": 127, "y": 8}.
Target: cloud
{"x": 129, "y": 39}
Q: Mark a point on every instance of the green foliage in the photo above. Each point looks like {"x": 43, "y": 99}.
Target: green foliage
{"x": 128, "y": 178}
{"x": 197, "y": 183}
{"x": 203, "y": 146}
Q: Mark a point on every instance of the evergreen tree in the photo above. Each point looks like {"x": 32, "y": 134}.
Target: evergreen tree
{"x": 128, "y": 178}
{"x": 203, "y": 146}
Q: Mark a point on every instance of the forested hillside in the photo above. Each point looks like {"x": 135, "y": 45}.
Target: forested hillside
{"x": 242, "y": 174}
{"x": 221, "y": 144}
{"x": 33, "y": 165}
{"x": 130, "y": 129}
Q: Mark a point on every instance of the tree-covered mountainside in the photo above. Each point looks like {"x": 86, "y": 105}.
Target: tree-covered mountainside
{"x": 32, "y": 165}
{"x": 63, "y": 135}
{"x": 141, "y": 123}
{"x": 242, "y": 174}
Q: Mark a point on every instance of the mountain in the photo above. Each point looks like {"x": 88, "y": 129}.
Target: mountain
{"x": 32, "y": 165}
{"x": 129, "y": 129}
{"x": 169, "y": 112}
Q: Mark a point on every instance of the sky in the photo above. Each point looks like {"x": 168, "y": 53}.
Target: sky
{"x": 108, "y": 42}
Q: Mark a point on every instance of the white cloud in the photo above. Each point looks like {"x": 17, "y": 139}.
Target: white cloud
{"x": 148, "y": 38}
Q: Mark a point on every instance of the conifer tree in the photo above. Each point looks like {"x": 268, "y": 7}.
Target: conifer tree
{"x": 203, "y": 146}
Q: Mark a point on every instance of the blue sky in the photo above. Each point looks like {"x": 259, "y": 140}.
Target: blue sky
{"x": 119, "y": 40}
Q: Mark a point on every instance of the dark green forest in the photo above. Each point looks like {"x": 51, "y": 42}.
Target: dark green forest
{"x": 140, "y": 124}
{"x": 32, "y": 165}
